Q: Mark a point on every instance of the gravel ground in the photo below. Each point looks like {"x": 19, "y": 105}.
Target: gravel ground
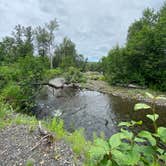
{"x": 17, "y": 141}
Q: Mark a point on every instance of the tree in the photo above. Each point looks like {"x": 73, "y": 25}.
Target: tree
{"x": 65, "y": 54}
{"x": 29, "y": 47}
{"x": 19, "y": 45}
{"x": 45, "y": 37}
{"x": 143, "y": 60}
{"x": 42, "y": 40}
{"x": 8, "y": 49}
{"x": 52, "y": 27}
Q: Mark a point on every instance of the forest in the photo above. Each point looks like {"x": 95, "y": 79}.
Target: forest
{"x": 30, "y": 57}
{"x": 142, "y": 60}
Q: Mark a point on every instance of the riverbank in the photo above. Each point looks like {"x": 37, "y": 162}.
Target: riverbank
{"x": 95, "y": 83}
{"x": 126, "y": 93}
{"x": 17, "y": 144}
{"x": 23, "y": 144}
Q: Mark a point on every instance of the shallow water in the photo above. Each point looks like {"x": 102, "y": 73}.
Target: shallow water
{"x": 91, "y": 110}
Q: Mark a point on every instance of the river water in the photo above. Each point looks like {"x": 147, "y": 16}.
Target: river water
{"x": 93, "y": 111}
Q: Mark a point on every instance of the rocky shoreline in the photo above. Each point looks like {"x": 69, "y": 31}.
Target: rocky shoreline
{"x": 126, "y": 93}
{"x": 131, "y": 93}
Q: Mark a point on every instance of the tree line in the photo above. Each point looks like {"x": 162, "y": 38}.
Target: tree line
{"x": 40, "y": 41}
{"x": 142, "y": 60}
{"x": 26, "y": 57}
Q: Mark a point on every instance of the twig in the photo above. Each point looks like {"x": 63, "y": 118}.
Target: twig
{"x": 38, "y": 143}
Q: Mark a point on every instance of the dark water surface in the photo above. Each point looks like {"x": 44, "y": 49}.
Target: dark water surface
{"x": 91, "y": 110}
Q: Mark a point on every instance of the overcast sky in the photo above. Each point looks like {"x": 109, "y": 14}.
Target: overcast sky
{"x": 94, "y": 25}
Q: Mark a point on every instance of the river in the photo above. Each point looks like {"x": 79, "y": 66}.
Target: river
{"x": 93, "y": 111}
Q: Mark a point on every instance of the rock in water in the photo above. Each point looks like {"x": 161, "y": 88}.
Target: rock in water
{"x": 58, "y": 82}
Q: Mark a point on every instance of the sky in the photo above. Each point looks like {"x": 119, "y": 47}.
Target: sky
{"x": 95, "y": 26}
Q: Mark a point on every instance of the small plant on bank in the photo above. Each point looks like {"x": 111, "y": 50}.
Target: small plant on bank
{"x": 52, "y": 73}
{"x": 127, "y": 148}
{"x": 73, "y": 75}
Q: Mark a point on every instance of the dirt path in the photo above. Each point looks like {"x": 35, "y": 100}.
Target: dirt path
{"x": 16, "y": 143}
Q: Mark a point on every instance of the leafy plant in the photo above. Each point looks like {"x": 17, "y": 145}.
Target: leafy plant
{"x": 78, "y": 142}
{"x": 56, "y": 125}
{"x": 127, "y": 148}
{"x": 52, "y": 73}
{"x": 74, "y": 76}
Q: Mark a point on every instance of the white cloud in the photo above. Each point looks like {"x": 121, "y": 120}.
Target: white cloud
{"x": 94, "y": 25}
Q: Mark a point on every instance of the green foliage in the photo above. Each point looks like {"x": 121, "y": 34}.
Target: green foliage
{"x": 12, "y": 94}
{"x": 32, "y": 70}
{"x": 25, "y": 120}
{"x": 94, "y": 76}
{"x": 5, "y": 111}
{"x": 56, "y": 125}
{"x": 141, "y": 106}
{"x": 128, "y": 148}
{"x": 65, "y": 56}
{"x": 30, "y": 162}
{"x": 153, "y": 117}
{"x": 161, "y": 131}
{"x": 78, "y": 142}
{"x": 93, "y": 66}
{"x": 7, "y": 74}
{"x": 142, "y": 61}
{"x": 76, "y": 139}
{"x": 52, "y": 73}
{"x": 73, "y": 75}
{"x": 19, "y": 81}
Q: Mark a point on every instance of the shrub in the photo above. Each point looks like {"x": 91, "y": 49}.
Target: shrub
{"x": 12, "y": 93}
{"x": 8, "y": 73}
{"x": 52, "y": 73}
{"x": 74, "y": 76}
{"x": 127, "y": 148}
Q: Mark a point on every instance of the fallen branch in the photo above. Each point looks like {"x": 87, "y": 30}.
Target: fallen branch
{"x": 38, "y": 143}
{"x": 46, "y": 135}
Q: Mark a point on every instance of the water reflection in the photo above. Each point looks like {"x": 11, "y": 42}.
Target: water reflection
{"x": 91, "y": 110}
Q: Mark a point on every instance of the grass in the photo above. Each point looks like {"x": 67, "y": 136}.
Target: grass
{"x": 76, "y": 139}
{"x": 55, "y": 125}
{"x": 78, "y": 142}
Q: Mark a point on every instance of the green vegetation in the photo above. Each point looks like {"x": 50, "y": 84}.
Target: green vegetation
{"x": 142, "y": 61}
{"x": 65, "y": 56}
{"x": 76, "y": 139}
{"x": 93, "y": 66}
{"x": 129, "y": 148}
{"x": 94, "y": 76}
{"x": 123, "y": 148}
{"x": 52, "y": 73}
{"x": 18, "y": 81}
{"x": 22, "y": 71}
{"x": 73, "y": 75}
